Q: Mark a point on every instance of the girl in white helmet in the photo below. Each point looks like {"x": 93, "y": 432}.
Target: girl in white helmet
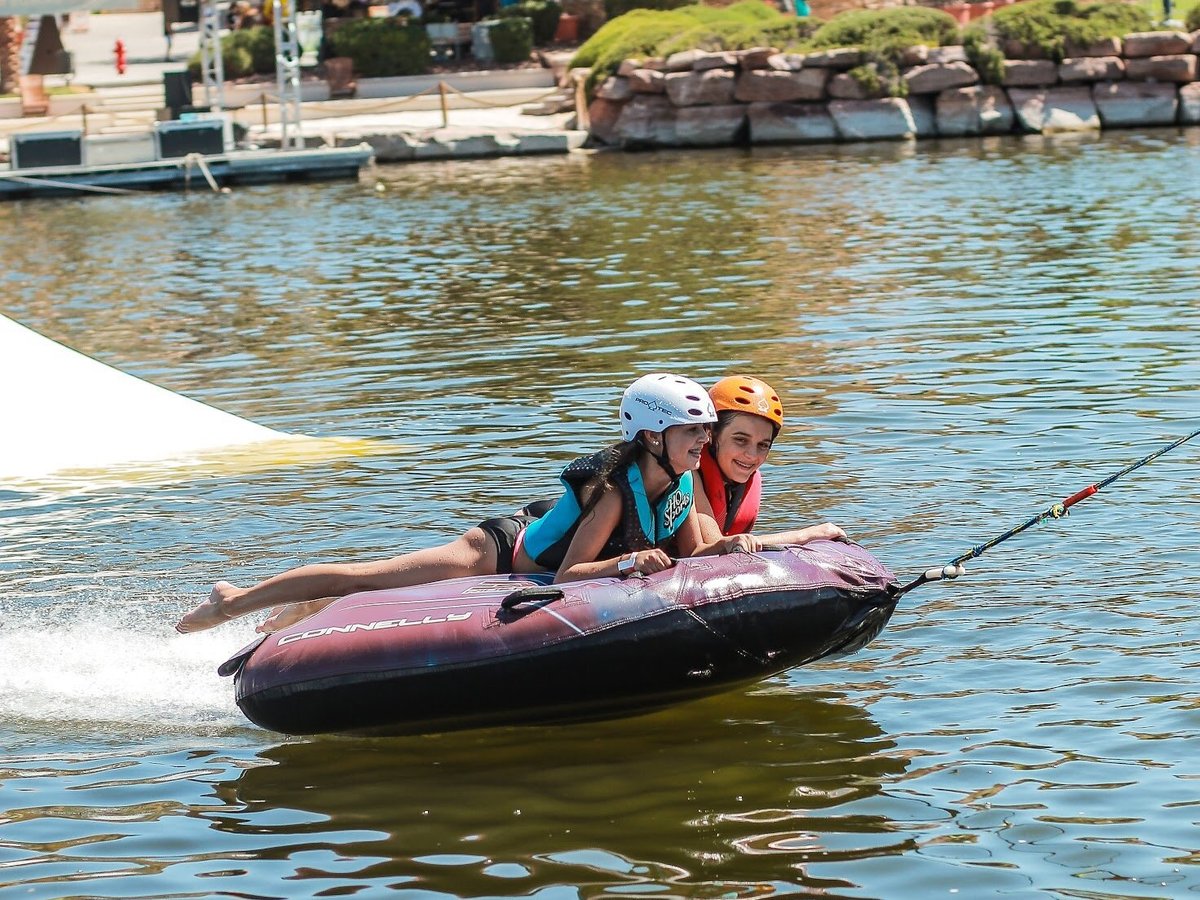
{"x": 622, "y": 510}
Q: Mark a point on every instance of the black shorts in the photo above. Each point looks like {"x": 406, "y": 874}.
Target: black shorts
{"x": 503, "y": 530}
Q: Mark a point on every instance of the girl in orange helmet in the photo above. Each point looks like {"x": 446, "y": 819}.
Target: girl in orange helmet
{"x": 749, "y": 417}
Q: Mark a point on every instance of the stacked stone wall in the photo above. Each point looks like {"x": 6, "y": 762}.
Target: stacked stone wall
{"x": 759, "y": 96}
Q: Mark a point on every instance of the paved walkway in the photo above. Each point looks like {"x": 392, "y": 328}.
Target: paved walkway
{"x": 145, "y": 49}
{"x": 147, "y": 60}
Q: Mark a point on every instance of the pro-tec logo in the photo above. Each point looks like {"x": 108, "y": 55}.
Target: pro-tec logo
{"x": 677, "y": 503}
{"x": 654, "y": 406}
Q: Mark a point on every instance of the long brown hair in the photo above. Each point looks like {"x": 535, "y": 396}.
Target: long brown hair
{"x": 614, "y": 458}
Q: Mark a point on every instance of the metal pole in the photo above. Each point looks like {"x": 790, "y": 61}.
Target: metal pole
{"x": 212, "y": 61}
{"x": 287, "y": 74}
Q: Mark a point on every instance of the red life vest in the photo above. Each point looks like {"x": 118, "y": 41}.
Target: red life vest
{"x": 734, "y": 506}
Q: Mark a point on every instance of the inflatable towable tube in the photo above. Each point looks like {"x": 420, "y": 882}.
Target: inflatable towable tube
{"x": 513, "y": 649}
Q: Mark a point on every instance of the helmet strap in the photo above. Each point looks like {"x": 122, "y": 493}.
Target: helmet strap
{"x": 661, "y": 459}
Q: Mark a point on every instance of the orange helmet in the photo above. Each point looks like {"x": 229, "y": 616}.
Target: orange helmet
{"x": 747, "y": 394}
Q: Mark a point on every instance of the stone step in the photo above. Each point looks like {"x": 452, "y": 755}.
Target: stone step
{"x": 564, "y": 101}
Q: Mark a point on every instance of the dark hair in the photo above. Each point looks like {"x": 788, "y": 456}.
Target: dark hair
{"x": 616, "y": 456}
{"x": 726, "y": 416}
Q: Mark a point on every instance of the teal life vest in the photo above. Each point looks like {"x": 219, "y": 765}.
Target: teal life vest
{"x": 643, "y": 525}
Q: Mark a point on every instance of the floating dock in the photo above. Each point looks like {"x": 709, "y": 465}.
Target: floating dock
{"x": 199, "y": 170}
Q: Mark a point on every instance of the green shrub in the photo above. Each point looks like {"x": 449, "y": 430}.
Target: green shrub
{"x": 259, "y": 42}
{"x": 512, "y": 39}
{"x": 984, "y": 56}
{"x": 644, "y": 32}
{"x": 544, "y": 15}
{"x": 235, "y": 60}
{"x": 886, "y": 29}
{"x": 1045, "y": 27}
{"x": 382, "y": 47}
{"x": 1193, "y": 18}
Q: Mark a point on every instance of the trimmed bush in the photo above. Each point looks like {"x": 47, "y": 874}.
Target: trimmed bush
{"x": 235, "y": 60}
{"x": 382, "y": 47}
{"x": 883, "y": 35}
{"x": 886, "y": 29}
{"x": 512, "y": 39}
{"x": 1044, "y": 27}
{"x": 645, "y": 32}
{"x": 543, "y": 14}
{"x": 259, "y": 42}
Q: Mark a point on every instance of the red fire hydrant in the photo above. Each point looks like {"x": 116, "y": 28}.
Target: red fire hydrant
{"x": 119, "y": 52}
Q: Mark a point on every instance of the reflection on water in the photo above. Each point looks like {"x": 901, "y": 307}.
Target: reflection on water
{"x": 636, "y": 802}
{"x": 962, "y": 335}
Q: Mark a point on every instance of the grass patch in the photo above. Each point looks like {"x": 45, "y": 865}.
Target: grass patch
{"x": 1045, "y": 27}
{"x": 643, "y": 33}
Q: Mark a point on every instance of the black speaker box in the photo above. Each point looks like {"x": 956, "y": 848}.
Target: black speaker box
{"x": 181, "y": 138}
{"x": 46, "y": 148}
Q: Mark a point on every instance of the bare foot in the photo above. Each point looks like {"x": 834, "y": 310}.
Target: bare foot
{"x": 283, "y": 616}
{"x": 212, "y": 612}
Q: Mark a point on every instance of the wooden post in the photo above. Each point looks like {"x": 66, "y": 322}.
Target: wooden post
{"x": 83, "y": 111}
{"x": 262, "y": 100}
{"x": 582, "y": 121}
{"x": 445, "y": 110}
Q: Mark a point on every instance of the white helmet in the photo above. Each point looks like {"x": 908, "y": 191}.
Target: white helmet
{"x": 656, "y": 402}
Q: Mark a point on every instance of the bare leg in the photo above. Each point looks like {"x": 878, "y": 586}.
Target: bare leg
{"x": 283, "y": 616}
{"x": 472, "y": 554}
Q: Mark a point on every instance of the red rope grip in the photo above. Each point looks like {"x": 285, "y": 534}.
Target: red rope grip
{"x": 1082, "y": 495}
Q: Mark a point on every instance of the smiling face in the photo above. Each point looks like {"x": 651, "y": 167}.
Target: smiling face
{"x": 683, "y": 443}
{"x": 741, "y": 444}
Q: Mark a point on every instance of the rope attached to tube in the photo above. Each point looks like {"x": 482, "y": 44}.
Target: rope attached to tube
{"x": 954, "y": 568}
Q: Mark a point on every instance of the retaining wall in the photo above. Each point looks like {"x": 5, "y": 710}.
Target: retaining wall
{"x": 760, "y": 96}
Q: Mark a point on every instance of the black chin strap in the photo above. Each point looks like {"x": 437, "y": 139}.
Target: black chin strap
{"x": 662, "y": 460}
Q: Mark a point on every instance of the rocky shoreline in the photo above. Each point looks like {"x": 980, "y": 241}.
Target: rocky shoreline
{"x": 760, "y": 96}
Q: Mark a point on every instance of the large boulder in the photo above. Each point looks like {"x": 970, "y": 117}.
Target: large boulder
{"x": 791, "y": 123}
{"x": 951, "y": 53}
{"x": 756, "y": 57}
{"x": 841, "y": 58}
{"x": 773, "y": 86}
{"x": 934, "y": 78}
{"x": 614, "y": 88}
{"x": 713, "y": 87}
{"x": 710, "y": 126}
{"x": 602, "y": 120}
{"x": 1179, "y": 68}
{"x": 1156, "y": 43}
{"x": 786, "y": 62}
{"x": 981, "y": 109}
{"x": 683, "y": 60}
{"x": 888, "y": 118}
{"x": 923, "y": 115}
{"x": 1055, "y": 109}
{"x": 1103, "y": 47}
{"x": 1129, "y": 104}
{"x": 1086, "y": 69}
{"x": 1029, "y": 73}
{"x": 646, "y": 121}
{"x": 1189, "y": 104}
{"x": 647, "y": 81}
{"x": 844, "y": 86}
{"x": 725, "y": 59}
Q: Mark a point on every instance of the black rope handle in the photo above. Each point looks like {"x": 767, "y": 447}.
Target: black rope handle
{"x": 535, "y": 594}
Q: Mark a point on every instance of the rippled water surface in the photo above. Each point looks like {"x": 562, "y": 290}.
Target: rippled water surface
{"x": 961, "y": 336}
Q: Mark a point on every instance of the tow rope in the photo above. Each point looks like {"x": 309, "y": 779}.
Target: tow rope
{"x": 954, "y": 568}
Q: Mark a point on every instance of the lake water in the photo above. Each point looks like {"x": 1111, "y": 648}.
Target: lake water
{"x": 961, "y": 335}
